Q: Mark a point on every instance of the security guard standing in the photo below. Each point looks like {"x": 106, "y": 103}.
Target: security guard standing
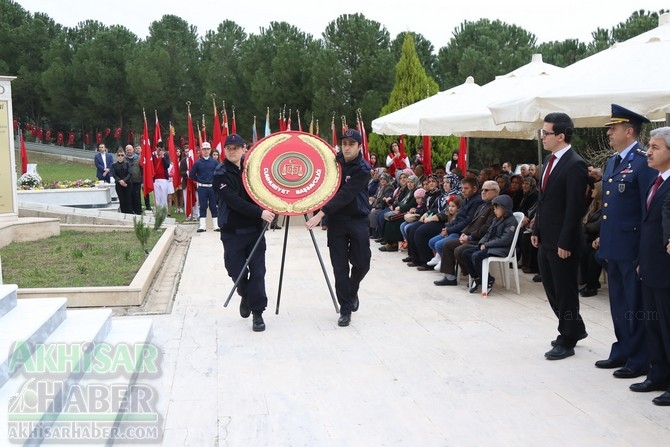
{"x": 241, "y": 223}
{"x": 202, "y": 172}
{"x": 625, "y": 182}
{"x": 348, "y": 237}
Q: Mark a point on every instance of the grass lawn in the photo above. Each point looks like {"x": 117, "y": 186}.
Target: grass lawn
{"x": 75, "y": 259}
{"x": 53, "y": 168}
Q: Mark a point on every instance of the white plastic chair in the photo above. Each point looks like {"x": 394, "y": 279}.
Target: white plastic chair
{"x": 510, "y": 258}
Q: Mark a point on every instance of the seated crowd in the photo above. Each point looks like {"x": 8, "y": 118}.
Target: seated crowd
{"x": 449, "y": 221}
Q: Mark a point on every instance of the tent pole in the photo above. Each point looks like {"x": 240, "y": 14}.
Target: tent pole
{"x": 539, "y": 148}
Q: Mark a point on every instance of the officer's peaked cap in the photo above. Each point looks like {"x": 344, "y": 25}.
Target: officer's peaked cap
{"x": 623, "y": 115}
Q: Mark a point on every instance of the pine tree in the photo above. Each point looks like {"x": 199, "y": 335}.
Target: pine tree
{"x": 412, "y": 84}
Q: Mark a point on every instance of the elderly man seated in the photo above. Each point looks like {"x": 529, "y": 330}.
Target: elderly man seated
{"x": 470, "y": 236}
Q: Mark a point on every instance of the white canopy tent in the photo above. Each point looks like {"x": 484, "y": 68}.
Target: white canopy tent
{"x": 633, "y": 73}
{"x": 471, "y": 117}
{"x": 463, "y": 111}
{"x": 405, "y": 121}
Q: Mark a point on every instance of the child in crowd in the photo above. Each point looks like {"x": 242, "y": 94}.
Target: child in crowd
{"x": 437, "y": 242}
{"x": 496, "y": 242}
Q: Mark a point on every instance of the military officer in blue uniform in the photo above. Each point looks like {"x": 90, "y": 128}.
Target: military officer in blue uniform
{"x": 202, "y": 173}
{"x": 348, "y": 225}
{"x": 625, "y": 182}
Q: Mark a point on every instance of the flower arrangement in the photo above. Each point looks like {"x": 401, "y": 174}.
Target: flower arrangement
{"x": 30, "y": 180}
{"x": 71, "y": 184}
{"x": 34, "y": 181}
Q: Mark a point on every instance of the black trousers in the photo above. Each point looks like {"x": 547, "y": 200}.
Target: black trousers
{"x": 237, "y": 247}
{"x": 656, "y": 316}
{"x": 349, "y": 244}
{"x": 559, "y": 278}
{"x": 136, "y": 198}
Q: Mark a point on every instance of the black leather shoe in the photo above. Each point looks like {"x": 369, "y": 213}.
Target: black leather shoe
{"x": 258, "y": 323}
{"x": 424, "y": 268}
{"x": 588, "y": 292}
{"x": 411, "y": 264}
{"x": 244, "y": 308}
{"x": 627, "y": 373}
{"x": 379, "y": 240}
{"x": 663, "y": 400}
{"x": 344, "y": 320}
{"x": 559, "y": 352}
{"x": 609, "y": 364}
{"x": 647, "y": 386}
{"x": 407, "y": 259}
{"x": 354, "y": 306}
{"x": 200, "y": 230}
{"x": 537, "y": 278}
{"x": 581, "y": 337}
{"x": 445, "y": 282}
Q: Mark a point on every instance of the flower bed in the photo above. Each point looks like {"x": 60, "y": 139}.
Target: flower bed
{"x": 32, "y": 181}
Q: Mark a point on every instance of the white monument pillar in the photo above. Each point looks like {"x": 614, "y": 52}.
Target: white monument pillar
{"x": 9, "y": 205}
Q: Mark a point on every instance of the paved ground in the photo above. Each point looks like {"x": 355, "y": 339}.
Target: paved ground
{"x": 420, "y": 365}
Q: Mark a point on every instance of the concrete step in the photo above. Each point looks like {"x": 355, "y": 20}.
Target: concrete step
{"x": 128, "y": 409}
{"x": 56, "y": 365}
{"x": 7, "y": 298}
{"x": 30, "y": 321}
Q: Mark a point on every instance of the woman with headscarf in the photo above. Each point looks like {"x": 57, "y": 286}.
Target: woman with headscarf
{"x": 398, "y": 196}
{"x": 391, "y": 232}
{"x": 451, "y": 164}
{"x": 380, "y": 204}
{"x": 429, "y": 226}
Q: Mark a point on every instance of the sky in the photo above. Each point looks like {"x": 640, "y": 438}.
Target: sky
{"x": 434, "y": 19}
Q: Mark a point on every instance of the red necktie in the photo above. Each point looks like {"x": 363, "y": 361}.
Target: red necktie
{"x": 654, "y": 188}
{"x": 547, "y": 171}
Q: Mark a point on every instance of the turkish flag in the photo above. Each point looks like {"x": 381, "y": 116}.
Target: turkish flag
{"x": 98, "y": 137}
{"x": 70, "y": 139}
{"x": 59, "y": 139}
{"x": 131, "y": 136}
{"x": 117, "y": 133}
{"x": 146, "y": 161}
{"x": 40, "y": 134}
{"x": 427, "y": 162}
{"x": 107, "y": 132}
{"x": 16, "y": 125}
{"x": 48, "y": 136}
{"x": 463, "y": 154}
{"x": 24, "y": 155}
{"x": 87, "y": 138}
{"x": 33, "y": 131}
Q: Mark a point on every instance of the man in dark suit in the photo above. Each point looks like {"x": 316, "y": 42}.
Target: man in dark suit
{"x": 557, "y": 231}
{"x": 625, "y": 182}
{"x": 654, "y": 268}
{"x": 103, "y": 163}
